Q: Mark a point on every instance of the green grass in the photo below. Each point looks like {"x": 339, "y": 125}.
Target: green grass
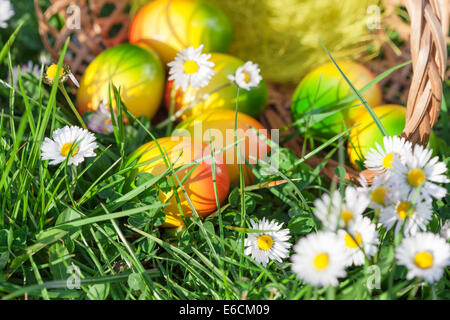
{"x": 104, "y": 219}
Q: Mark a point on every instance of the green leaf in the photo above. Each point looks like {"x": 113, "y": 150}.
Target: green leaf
{"x": 99, "y": 291}
{"x": 9, "y": 43}
{"x": 301, "y": 224}
{"x": 135, "y": 282}
{"x": 59, "y": 259}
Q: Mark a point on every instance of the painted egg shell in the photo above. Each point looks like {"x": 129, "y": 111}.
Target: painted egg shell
{"x": 250, "y": 102}
{"x": 324, "y": 89}
{"x": 218, "y": 127}
{"x": 367, "y": 133}
{"x": 198, "y": 185}
{"x": 138, "y": 72}
{"x": 171, "y": 25}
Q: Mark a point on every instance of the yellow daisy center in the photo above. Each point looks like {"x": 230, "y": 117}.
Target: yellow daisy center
{"x": 246, "y": 77}
{"x": 423, "y": 260}
{"x": 387, "y": 161}
{"x": 265, "y": 242}
{"x": 351, "y": 243}
{"x": 402, "y": 209}
{"x": 321, "y": 261}
{"x": 346, "y": 216}
{"x": 65, "y": 149}
{"x": 190, "y": 67}
{"x": 416, "y": 177}
{"x": 378, "y": 195}
{"x": 51, "y": 71}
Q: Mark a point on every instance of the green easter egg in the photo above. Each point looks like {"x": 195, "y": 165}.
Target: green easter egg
{"x": 323, "y": 90}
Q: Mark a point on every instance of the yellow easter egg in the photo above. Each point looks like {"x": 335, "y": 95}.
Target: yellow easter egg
{"x": 138, "y": 72}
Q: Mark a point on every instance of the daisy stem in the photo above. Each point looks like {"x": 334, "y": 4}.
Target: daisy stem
{"x": 171, "y": 109}
{"x": 69, "y": 101}
{"x": 331, "y": 293}
{"x": 74, "y": 177}
{"x": 241, "y": 181}
{"x": 315, "y": 293}
{"x": 434, "y": 291}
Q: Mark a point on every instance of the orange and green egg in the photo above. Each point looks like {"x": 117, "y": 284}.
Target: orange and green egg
{"x": 196, "y": 180}
{"x": 171, "y": 25}
{"x": 217, "y": 128}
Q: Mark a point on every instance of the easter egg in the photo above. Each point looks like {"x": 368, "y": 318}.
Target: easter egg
{"x": 171, "y": 25}
{"x": 322, "y": 91}
{"x": 198, "y": 185}
{"x": 217, "y": 128}
{"x": 366, "y": 134}
{"x": 250, "y": 102}
{"x": 137, "y": 70}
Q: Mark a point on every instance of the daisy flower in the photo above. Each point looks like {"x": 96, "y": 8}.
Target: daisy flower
{"x": 52, "y": 70}
{"x": 75, "y": 140}
{"x": 336, "y": 213}
{"x": 360, "y": 235}
{"x": 425, "y": 255}
{"x": 6, "y": 12}
{"x": 192, "y": 68}
{"x": 247, "y": 76}
{"x": 30, "y": 68}
{"x": 381, "y": 192}
{"x": 419, "y": 169}
{"x": 381, "y": 159}
{"x": 100, "y": 121}
{"x": 269, "y": 244}
{"x": 320, "y": 259}
{"x": 397, "y": 213}
{"x": 445, "y": 230}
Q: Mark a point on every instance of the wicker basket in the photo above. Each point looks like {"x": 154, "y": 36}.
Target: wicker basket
{"x": 427, "y": 49}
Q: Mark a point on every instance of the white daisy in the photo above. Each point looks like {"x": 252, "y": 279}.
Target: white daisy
{"x": 320, "y": 259}
{"x": 381, "y": 159}
{"x": 396, "y": 215}
{"x": 100, "y": 121}
{"x": 381, "y": 193}
{"x": 360, "y": 235}
{"x": 425, "y": 255}
{"x": 6, "y": 12}
{"x": 445, "y": 230}
{"x": 247, "y": 76}
{"x": 335, "y": 213}
{"x": 192, "y": 68}
{"x": 30, "y": 68}
{"x": 419, "y": 169}
{"x": 69, "y": 139}
{"x": 269, "y": 244}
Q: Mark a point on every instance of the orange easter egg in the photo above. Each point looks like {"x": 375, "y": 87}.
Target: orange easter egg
{"x": 198, "y": 186}
{"x": 218, "y": 127}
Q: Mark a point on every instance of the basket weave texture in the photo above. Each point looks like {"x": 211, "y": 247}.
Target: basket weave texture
{"x": 424, "y": 43}
{"x": 87, "y": 25}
